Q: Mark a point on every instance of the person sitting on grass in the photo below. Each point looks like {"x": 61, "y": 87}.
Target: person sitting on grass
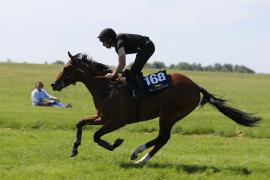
{"x": 40, "y": 97}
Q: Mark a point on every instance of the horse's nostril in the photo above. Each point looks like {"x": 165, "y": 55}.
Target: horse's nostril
{"x": 53, "y": 85}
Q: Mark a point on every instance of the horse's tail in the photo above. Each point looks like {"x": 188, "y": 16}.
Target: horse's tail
{"x": 240, "y": 117}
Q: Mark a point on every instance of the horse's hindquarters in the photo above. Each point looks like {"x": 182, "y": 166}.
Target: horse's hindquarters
{"x": 177, "y": 98}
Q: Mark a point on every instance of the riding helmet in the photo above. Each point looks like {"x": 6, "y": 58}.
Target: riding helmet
{"x": 107, "y": 33}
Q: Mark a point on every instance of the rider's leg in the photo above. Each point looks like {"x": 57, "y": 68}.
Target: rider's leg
{"x": 141, "y": 58}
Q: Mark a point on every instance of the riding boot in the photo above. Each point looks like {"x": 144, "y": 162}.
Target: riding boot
{"x": 141, "y": 89}
{"x": 131, "y": 83}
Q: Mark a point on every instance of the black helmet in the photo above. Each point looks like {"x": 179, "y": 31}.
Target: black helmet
{"x": 107, "y": 33}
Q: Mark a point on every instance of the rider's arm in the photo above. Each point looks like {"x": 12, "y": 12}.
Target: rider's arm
{"x": 122, "y": 61}
{"x": 48, "y": 96}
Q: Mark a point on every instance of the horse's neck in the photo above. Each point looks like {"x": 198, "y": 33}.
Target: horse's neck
{"x": 98, "y": 87}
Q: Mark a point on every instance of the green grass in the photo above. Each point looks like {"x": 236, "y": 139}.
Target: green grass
{"x": 36, "y": 141}
{"x": 32, "y": 154}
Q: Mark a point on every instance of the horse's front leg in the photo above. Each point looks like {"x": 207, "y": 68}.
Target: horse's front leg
{"x": 95, "y": 120}
{"x": 108, "y": 127}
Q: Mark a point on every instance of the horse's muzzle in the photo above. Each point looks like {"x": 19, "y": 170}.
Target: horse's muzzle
{"x": 55, "y": 87}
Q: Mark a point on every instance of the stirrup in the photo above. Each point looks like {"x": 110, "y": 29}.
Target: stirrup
{"x": 133, "y": 93}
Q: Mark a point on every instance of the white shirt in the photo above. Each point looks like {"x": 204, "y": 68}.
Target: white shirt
{"x": 38, "y": 96}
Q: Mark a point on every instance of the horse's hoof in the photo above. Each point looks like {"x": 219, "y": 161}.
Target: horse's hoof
{"x": 117, "y": 143}
{"x": 140, "y": 163}
{"x": 74, "y": 152}
{"x": 133, "y": 156}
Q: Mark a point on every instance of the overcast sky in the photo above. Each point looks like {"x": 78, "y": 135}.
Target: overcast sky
{"x": 193, "y": 31}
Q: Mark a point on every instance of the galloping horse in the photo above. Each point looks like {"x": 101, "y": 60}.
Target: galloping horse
{"x": 115, "y": 108}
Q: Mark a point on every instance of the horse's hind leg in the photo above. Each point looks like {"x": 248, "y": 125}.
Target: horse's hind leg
{"x": 96, "y": 120}
{"x": 141, "y": 148}
{"x": 161, "y": 140}
{"x": 166, "y": 122}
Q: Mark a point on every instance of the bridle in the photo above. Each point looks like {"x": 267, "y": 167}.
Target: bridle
{"x": 99, "y": 77}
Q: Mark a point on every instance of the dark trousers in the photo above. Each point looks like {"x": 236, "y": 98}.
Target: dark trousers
{"x": 142, "y": 57}
{"x": 136, "y": 84}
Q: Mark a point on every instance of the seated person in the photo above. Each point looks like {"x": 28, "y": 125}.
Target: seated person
{"x": 40, "y": 97}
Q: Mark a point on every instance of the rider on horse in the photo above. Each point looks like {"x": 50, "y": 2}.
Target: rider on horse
{"x": 128, "y": 44}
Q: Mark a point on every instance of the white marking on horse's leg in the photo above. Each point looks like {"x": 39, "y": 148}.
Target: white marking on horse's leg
{"x": 135, "y": 153}
{"x": 144, "y": 159}
{"x": 141, "y": 148}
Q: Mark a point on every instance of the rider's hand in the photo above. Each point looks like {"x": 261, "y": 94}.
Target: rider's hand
{"x": 55, "y": 99}
{"x": 109, "y": 75}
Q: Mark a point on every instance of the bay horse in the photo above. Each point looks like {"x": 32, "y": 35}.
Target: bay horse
{"x": 115, "y": 108}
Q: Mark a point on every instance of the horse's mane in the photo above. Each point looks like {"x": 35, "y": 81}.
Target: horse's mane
{"x": 96, "y": 65}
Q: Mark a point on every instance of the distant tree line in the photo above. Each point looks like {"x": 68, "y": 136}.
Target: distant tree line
{"x": 198, "y": 67}
{"x": 193, "y": 67}
{"x": 186, "y": 66}
{"x": 58, "y": 62}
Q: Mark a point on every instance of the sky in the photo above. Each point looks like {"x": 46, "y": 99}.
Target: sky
{"x": 194, "y": 31}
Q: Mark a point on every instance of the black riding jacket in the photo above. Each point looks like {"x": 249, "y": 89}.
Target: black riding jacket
{"x": 132, "y": 43}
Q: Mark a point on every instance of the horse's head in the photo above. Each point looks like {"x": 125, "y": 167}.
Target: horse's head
{"x": 78, "y": 68}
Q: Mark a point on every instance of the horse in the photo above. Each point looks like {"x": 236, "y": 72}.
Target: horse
{"x": 115, "y": 107}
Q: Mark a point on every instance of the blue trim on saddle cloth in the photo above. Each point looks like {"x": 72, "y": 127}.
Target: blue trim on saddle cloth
{"x": 157, "y": 81}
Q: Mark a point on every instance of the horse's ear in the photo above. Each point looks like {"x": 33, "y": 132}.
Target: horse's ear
{"x": 70, "y": 55}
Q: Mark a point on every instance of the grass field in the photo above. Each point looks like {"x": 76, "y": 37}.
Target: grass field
{"x": 35, "y": 142}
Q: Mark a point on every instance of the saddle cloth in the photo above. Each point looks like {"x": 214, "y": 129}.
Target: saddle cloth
{"x": 157, "y": 82}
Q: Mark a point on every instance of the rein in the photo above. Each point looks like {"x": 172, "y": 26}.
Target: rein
{"x": 99, "y": 77}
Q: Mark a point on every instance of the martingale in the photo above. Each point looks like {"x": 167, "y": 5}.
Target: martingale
{"x": 157, "y": 81}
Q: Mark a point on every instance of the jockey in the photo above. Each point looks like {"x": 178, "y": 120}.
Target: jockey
{"x": 128, "y": 44}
